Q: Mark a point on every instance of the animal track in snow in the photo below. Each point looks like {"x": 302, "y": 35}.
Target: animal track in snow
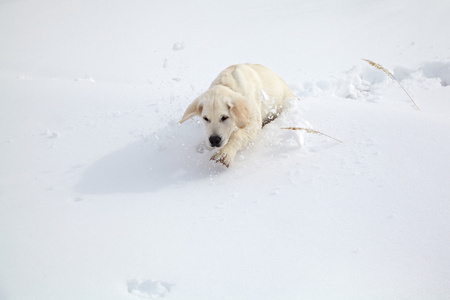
{"x": 178, "y": 46}
{"x": 148, "y": 288}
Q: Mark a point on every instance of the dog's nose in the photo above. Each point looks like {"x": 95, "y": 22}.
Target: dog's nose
{"x": 215, "y": 140}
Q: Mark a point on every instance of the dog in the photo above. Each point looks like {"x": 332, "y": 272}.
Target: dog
{"x": 240, "y": 101}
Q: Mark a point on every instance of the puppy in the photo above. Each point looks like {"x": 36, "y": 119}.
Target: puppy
{"x": 240, "y": 101}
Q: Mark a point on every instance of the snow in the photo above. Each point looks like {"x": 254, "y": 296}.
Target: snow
{"x": 148, "y": 288}
{"x": 103, "y": 195}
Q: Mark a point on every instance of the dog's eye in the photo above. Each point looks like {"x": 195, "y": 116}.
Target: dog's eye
{"x": 224, "y": 118}
{"x": 206, "y": 119}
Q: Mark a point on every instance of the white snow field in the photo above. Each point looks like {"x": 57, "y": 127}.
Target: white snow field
{"x": 103, "y": 195}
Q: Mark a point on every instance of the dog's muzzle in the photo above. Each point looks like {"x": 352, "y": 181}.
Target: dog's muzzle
{"x": 215, "y": 140}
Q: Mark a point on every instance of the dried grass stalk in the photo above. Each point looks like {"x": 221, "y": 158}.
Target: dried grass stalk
{"x": 380, "y": 67}
{"x": 311, "y": 131}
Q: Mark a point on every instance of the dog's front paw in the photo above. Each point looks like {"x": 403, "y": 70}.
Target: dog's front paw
{"x": 223, "y": 158}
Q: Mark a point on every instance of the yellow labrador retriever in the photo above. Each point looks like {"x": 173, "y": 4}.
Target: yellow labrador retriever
{"x": 239, "y": 102}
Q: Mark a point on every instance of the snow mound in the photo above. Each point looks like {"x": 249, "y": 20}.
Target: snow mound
{"x": 178, "y": 46}
{"x": 429, "y": 71}
{"x": 148, "y": 288}
{"x": 438, "y": 70}
{"x": 360, "y": 82}
{"x": 364, "y": 82}
{"x": 274, "y": 137}
{"x": 86, "y": 78}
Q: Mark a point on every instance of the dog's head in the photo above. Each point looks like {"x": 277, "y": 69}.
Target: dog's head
{"x": 222, "y": 110}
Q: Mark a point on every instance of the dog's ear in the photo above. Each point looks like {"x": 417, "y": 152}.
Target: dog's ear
{"x": 194, "y": 109}
{"x": 239, "y": 111}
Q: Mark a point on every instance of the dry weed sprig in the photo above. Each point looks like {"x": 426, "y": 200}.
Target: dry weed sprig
{"x": 380, "y": 67}
{"x": 311, "y": 131}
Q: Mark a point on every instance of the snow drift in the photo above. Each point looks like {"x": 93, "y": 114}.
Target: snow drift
{"x": 104, "y": 196}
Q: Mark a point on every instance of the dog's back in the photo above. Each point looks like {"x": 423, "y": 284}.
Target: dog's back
{"x": 260, "y": 85}
{"x": 245, "y": 78}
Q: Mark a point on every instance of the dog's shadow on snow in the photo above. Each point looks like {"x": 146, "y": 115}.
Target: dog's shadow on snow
{"x": 169, "y": 156}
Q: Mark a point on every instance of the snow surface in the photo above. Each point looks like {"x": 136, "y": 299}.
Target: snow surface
{"x": 104, "y": 196}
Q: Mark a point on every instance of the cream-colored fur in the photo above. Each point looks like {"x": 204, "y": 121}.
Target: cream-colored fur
{"x": 240, "y": 101}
